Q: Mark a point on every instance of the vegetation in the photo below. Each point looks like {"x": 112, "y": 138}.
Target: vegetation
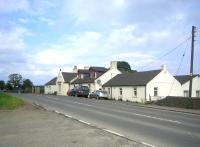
{"x": 180, "y": 102}
{"x": 9, "y": 102}
{"x": 123, "y": 66}
{"x": 2, "y": 85}
{"x": 15, "y": 81}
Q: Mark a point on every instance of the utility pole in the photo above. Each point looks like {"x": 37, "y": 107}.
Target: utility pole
{"x": 192, "y": 60}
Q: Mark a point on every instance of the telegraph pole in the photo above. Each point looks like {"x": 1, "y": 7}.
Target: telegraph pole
{"x": 192, "y": 60}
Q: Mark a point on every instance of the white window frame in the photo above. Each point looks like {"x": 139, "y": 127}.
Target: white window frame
{"x": 155, "y": 91}
{"x": 197, "y": 93}
{"x": 134, "y": 92}
{"x": 185, "y": 93}
{"x": 120, "y": 91}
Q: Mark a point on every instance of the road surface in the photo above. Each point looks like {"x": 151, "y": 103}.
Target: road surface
{"x": 146, "y": 125}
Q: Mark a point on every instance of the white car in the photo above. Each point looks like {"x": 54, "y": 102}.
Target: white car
{"x": 98, "y": 94}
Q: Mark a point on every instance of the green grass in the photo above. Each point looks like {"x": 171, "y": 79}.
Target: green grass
{"x": 9, "y": 102}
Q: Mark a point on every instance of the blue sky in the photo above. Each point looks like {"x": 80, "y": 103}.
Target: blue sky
{"x": 39, "y": 37}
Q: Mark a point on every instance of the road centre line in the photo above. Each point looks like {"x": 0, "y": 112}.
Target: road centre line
{"x": 137, "y": 114}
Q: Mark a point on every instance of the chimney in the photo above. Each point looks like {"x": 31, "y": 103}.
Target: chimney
{"x": 113, "y": 65}
{"x": 75, "y": 69}
{"x": 163, "y": 68}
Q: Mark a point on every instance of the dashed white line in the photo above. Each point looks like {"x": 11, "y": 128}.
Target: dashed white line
{"x": 84, "y": 122}
{"x": 82, "y": 104}
{"x": 68, "y": 115}
{"x": 118, "y": 134}
{"x": 147, "y": 144}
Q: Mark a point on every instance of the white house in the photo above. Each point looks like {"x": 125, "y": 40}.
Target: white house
{"x": 143, "y": 86}
{"x": 185, "y": 82}
{"x": 63, "y": 82}
{"x": 50, "y": 87}
{"x": 109, "y": 74}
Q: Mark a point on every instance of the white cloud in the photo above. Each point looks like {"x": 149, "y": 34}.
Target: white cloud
{"x": 7, "y": 6}
{"x": 49, "y": 22}
{"x": 23, "y": 20}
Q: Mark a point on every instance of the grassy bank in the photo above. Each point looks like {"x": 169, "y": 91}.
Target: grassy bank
{"x": 9, "y": 102}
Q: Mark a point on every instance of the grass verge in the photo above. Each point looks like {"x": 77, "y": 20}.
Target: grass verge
{"x": 10, "y": 102}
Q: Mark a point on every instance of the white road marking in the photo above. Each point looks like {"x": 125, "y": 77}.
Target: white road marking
{"x": 153, "y": 117}
{"x": 113, "y": 132}
{"x": 68, "y": 116}
{"x": 147, "y": 144}
{"x": 81, "y": 104}
{"x": 84, "y": 122}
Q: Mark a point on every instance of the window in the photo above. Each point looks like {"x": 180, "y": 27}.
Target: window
{"x": 120, "y": 91}
{"x": 185, "y": 93}
{"x": 135, "y": 92}
{"x": 108, "y": 90}
{"x": 198, "y": 93}
{"x": 155, "y": 91}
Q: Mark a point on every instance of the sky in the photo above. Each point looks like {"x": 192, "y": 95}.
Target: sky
{"x": 40, "y": 37}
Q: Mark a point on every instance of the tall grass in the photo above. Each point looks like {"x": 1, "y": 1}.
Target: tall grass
{"x": 10, "y": 102}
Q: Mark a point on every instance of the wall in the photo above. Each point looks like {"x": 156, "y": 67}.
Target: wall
{"x": 64, "y": 87}
{"x": 50, "y": 89}
{"x": 195, "y": 86}
{"x": 127, "y": 93}
{"x": 164, "y": 81}
{"x": 106, "y": 77}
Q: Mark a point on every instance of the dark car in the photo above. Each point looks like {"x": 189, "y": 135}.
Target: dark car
{"x": 98, "y": 94}
{"x": 82, "y": 91}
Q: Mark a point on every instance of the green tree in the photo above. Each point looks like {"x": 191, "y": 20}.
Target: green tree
{"x": 123, "y": 66}
{"x": 2, "y": 85}
{"x": 15, "y": 80}
{"x": 27, "y": 85}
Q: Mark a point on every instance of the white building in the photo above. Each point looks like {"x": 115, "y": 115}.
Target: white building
{"x": 50, "y": 87}
{"x": 185, "y": 82}
{"x": 109, "y": 74}
{"x": 143, "y": 86}
{"x": 63, "y": 82}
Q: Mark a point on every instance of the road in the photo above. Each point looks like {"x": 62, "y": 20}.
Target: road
{"x": 149, "y": 126}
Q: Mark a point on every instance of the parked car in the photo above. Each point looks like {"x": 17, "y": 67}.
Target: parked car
{"x": 80, "y": 91}
{"x": 98, "y": 94}
{"x": 69, "y": 92}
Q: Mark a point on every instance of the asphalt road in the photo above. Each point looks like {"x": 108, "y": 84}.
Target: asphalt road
{"x": 149, "y": 126}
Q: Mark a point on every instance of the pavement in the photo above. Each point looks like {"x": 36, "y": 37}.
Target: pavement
{"x": 33, "y": 126}
{"x": 149, "y": 126}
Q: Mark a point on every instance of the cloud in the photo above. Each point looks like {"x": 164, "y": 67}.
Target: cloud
{"x": 23, "y": 20}
{"x": 46, "y": 20}
{"x": 8, "y": 6}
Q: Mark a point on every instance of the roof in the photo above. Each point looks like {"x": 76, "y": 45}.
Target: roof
{"x": 133, "y": 78}
{"x": 99, "y": 69}
{"x": 68, "y": 76}
{"x": 85, "y": 80}
{"x": 83, "y": 71}
{"x": 52, "y": 81}
{"x": 183, "y": 78}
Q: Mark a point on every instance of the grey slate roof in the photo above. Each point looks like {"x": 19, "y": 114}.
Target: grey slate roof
{"x": 80, "y": 71}
{"x": 100, "y": 69}
{"x": 183, "y": 78}
{"x": 68, "y": 76}
{"x": 52, "y": 81}
{"x": 132, "y": 79}
{"x": 85, "y": 80}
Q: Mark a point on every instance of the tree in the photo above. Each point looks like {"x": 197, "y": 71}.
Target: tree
{"x": 123, "y": 66}
{"x": 27, "y": 85}
{"x": 15, "y": 80}
{"x": 2, "y": 85}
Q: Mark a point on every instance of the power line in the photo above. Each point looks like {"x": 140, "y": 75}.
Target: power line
{"x": 170, "y": 51}
{"x": 179, "y": 66}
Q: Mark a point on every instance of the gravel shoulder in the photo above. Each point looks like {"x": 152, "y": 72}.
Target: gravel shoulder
{"x": 32, "y": 126}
